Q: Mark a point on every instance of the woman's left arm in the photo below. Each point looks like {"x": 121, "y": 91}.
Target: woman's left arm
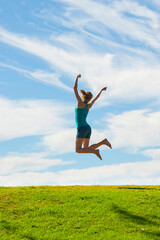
{"x": 94, "y": 99}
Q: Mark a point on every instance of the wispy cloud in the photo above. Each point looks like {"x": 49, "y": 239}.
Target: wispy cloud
{"x": 57, "y": 57}
{"x": 117, "y": 16}
{"x": 87, "y": 30}
{"x": 124, "y": 84}
{"x": 39, "y": 75}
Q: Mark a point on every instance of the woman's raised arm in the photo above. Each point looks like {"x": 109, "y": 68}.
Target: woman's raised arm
{"x": 75, "y": 88}
{"x": 97, "y": 96}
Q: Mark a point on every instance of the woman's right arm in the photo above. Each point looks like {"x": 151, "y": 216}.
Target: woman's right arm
{"x": 97, "y": 96}
{"x": 76, "y": 90}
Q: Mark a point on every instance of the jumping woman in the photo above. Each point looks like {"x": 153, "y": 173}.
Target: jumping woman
{"x": 83, "y": 128}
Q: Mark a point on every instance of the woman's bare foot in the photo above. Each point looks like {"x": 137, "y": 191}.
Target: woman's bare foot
{"x": 98, "y": 154}
{"x": 107, "y": 143}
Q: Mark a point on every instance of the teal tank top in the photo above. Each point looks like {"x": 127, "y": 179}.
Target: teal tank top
{"x": 81, "y": 115}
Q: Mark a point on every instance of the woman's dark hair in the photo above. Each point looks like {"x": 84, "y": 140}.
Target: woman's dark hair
{"x": 86, "y": 96}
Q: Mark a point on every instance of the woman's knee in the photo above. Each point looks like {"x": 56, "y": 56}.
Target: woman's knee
{"x": 78, "y": 145}
{"x": 77, "y": 150}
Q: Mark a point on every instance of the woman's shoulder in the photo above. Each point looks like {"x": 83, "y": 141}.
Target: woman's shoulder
{"x": 81, "y": 105}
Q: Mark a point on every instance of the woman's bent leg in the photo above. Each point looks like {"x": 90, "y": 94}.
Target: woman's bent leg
{"x": 79, "y": 148}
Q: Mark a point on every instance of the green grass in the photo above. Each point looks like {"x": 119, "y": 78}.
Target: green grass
{"x": 80, "y": 212}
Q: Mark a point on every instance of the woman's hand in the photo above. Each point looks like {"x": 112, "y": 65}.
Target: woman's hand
{"x": 104, "y": 89}
{"x": 79, "y": 76}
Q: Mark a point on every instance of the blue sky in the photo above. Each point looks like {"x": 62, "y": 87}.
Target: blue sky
{"x": 43, "y": 46}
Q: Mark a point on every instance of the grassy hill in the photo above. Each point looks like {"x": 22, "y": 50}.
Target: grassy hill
{"x": 80, "y": 212}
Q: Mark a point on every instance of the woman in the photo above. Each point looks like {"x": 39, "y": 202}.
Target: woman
{"x": 83, "y": 128}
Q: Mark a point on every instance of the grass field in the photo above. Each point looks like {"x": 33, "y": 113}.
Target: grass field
{"x": 80, "y": 212}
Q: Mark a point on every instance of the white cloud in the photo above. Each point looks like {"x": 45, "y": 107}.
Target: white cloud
{"x": 137, "y": 83}
{"x": 31, "y": 117}
{"x": 135, "y": 129}
{"x": 155, "y": 2}
{"x": 142, "y": 173}
{"x": 62, "y": 141}
{"x": 152, "y": 153}
{"x": 15, "y": 162}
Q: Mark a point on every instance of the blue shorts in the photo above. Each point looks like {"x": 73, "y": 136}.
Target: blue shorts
{"x": 84, "y": 132}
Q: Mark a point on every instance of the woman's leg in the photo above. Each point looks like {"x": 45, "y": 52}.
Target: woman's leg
{"x": 79, "y": 148}
{"x": 96, "y": 145}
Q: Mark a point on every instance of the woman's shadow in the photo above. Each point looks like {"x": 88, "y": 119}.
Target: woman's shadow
{"x": 139, "y": 220}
